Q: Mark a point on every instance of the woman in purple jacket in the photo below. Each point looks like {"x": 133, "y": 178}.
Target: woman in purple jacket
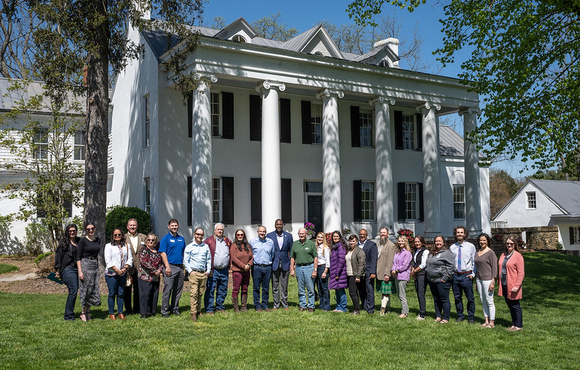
{"x": 337, "y": 278}
{"x": 401, "y": 270}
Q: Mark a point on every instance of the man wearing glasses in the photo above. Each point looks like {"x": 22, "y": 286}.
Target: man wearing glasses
{"x": 171, "y": 248}
{"x": 217, "y": 281}
{"x": 263, "y": 249}
{"x": 135, "y": 241}
{"x": 197, "y": 262}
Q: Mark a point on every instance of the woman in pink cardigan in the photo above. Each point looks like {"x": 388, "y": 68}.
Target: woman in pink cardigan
{"x": 511, "y": 276}
{"x": 401, "y": 271}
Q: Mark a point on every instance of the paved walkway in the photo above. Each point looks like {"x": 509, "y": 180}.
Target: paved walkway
{"x": 19, "y": 277}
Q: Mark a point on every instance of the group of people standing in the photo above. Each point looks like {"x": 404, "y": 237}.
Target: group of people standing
{"x": 135, "y": 264}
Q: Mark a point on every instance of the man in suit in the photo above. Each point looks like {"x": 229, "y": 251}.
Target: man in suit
{"x": 135, "y": 241}
{"x": 371, "y": 254}
{"x": 281, "y": 264}
{"x": 217, "y": 281}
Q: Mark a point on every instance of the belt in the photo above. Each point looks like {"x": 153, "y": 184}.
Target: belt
{"x": 261, "y": 265}
{"x": 196, "y": 270}
{"x": 463, "y": 272}
{"x": 180, "y": 265}
{"x": 305, "y": 264}
{"x": 91, "y": 258}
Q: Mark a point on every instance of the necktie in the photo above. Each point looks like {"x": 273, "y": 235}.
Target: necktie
{"x": 459, "y": 259}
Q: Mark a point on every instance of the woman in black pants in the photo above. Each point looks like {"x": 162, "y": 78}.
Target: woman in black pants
{"x": 420, "y": 255}
{"x": 355, "y": 271}
{"x": 65, "y": 265}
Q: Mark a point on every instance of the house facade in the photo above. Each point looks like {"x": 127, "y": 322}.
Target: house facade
{"x": 546, "y": 203}
{"x": 296, "y": 130}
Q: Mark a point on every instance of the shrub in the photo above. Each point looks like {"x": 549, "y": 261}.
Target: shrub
{"x": 118, "y": 216}
{"x": 41, "y": 256}
{"x": 38, "y": 239}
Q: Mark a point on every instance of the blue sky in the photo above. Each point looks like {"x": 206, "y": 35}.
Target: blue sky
{"x": 303, "y": 15}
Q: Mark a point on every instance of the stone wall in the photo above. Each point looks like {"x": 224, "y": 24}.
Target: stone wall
{"x": 539, "y": 238}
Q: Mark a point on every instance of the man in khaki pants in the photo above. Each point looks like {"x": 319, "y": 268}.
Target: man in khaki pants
{"x": 197, "y": 262}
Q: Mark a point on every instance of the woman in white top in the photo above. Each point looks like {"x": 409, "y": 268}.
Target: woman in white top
{"x": 118, "y": 259}
{"x": 322, "y": 273}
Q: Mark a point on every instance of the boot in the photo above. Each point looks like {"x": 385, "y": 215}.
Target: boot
{"x": 235, "y": 302}
{"x": 244, "y": 302}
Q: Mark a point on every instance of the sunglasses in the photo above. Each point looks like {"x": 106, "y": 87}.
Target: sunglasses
{"x": 90, "y": 228}
{"x": 117, "y": 234}
{"x": 72, "y": 231}
{"x": 150, "y": 240}
{"x": 239, "y": 234}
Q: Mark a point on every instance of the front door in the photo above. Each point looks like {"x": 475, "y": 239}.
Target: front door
{"x": 313, "y": 206}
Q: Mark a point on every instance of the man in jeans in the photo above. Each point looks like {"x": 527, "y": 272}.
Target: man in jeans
{"x": 304, "y": 265}
{"x": 263, "y": 249}
{"x": 217, "y": 281}
{"x": 171, "y": 248}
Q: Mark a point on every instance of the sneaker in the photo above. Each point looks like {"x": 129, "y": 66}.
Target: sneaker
{"x": 471, "y": 321}
{"x": 419, "y": 317}
{"x": 165, "y": 315}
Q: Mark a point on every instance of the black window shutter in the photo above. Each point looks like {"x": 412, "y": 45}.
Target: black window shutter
{"x": 228, "y": 115}
{"x": 228, "y": 200}
{"x": 256, "y": 200}
{"x": 419, "y": 131}
{"x": 306, "y": 123}
{"x": 287, "y": 200}
{"x": 285, "y": 121}
{"x": 402, "y": 215}
{"x": 421, "y": 207}
{"x": 398, "y": 129}
{"x": 355, "y": 126}
{"x": 357, "y": 200}
{"x": 255, "y": 118}
{"x": 572, "y": 235}
{"x": 189, "y": 200}
{"x": 190, "y": 114}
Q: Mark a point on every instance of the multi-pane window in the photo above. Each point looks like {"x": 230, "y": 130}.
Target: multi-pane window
{"x": 316, "y": 123}
{"x": 146, "y": 122}
{"x": 459, "y": 202}
{"x": 216, "y": 116}
{"x": 531, "y": 198}
{"x": 147, "y": 190}
{"x": 411, "y": 201}
{"x": 41, "y": 143}
{"x": 79, "y": 148}
{"x": 366, "y": 128}
{"x": 216, "y": 199}
{"x": 574, "y": 234}
{"x": 368, "y": 200}
{"x": 408, "y": 131}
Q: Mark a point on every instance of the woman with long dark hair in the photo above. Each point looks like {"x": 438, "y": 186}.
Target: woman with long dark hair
{"x": 485, "y": 273}
{"x": 418, "y": 273}
{"x": 118, "y": 260}
{"x": 87, "y": 264}
{"x": 242, "y": 258}
{"x": 321, "y": 280}
{"x": 337, "y": 278}
{"x": 66, "y": 268}
{"x": 511, "y": 277}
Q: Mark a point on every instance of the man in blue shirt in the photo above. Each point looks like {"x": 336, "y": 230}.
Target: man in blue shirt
{"x": 171, "y": 248}
{"x": 464, "y": 253}
{"x": 197, "y": 262}
{"x": 263, "y": 249}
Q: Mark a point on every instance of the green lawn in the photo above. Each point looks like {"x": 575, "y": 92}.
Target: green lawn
{"x": 33, "y": 334}
{"x": 7, "y": 268}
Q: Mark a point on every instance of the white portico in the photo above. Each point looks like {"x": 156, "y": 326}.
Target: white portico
{"x": 304, "y": 132}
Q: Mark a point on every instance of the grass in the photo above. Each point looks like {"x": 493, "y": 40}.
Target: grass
{"x": 4, "y": 268}
{"x": 33, "y": 334}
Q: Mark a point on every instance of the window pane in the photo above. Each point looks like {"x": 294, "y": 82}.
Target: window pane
{"x": 316, "y": 123}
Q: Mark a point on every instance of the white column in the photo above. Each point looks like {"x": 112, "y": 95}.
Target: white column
{"x": 271, "y": 182}
{"x": 383, "y": 163}
{"x": 331, "y": 194}
{"x": 201, "y": 154}
{"x": 472, "y": 176}
{"x": 431, "y": 177}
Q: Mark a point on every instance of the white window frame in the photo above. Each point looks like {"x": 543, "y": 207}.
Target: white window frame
{"x": 531, "y": 200}
{"x": 409, "y": 131}
{"x": 316, "y": 123}
{"x": 40, "y": 142}
{"x": 217, "y": 199}
{"x": 459, "y": 202}
{"x": 146, "y": 121}
{"x": 147, "y": 194}
{"x": 366, "y": 129}
{"x": 216, "y": 114}
{"x": 79, "y": 145}
{"x": 412, "y": 211}
{"x": 367, "y": 200}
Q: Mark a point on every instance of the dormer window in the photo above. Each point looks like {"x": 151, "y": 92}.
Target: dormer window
{"x": 319, "y": 53}
{"x": 239, "y": 38}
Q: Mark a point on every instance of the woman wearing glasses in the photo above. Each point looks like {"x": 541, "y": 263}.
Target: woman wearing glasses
{"x": 88, "y": 267}
{"x": 149, "y": 271}
{"x": 118, "y": 260}
{"x": 511, "y": 277}
{"x": 242, "y": 259}
{"x": 66, "y": 267}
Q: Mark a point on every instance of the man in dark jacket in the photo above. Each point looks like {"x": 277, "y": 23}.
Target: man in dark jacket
{"x": 281, "y": 264}
{"x": 371, "y": 253}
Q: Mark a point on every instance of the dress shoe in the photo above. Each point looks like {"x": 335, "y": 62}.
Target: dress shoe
{"x": 460, "y": 319}
{"x": 267, "y": 310}
{"x": 121, "y": 316}
{"x": 176, "y": 313}
{"x": 112, "y": 317}
{"x": 194, "y": 317}
{"x": 221, "y": 311}
{"x": 210, "y": 313}
{"x": 311, "y": 310}
{"x": 302, "y": 309}
{"x": 471, "y": 321}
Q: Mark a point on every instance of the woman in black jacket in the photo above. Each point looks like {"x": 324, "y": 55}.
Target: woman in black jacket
{"x": 65, "y": 267}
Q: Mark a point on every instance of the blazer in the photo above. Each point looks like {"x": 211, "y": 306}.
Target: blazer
{"x": 385, "y": 260}
{"x": 281, "y": 254}
{"x": 371, "y": 255}
{"x": 357, "y": 261}
{"x": 514, "y": 275}
{"x": 211, "y": 244}
{"x": 141, "y": 238}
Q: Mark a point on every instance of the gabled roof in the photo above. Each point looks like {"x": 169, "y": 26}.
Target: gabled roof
{"x": 239, "y": 24}
{"x": 306, "y": 42}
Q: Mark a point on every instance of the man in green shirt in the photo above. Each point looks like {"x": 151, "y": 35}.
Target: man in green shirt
{"x": 303, "y": 265}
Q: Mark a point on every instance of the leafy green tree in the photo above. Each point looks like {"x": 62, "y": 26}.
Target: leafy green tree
{"x": 271, "y": 27}
{"x": 39, "y": 157}
{"x": 118, "y": 216}
{"x": 525, "y": 62}
{"x": 502, "y": 187}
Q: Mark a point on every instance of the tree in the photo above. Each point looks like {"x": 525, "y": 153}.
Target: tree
{"x": 271, "y": 27}
{"x": 43, "y": 173}
{"x": 17, "y": 24}
{"x": 91, "y": 36}
{"x": 525, "y": 62}
{"x": 502, "y": 187}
